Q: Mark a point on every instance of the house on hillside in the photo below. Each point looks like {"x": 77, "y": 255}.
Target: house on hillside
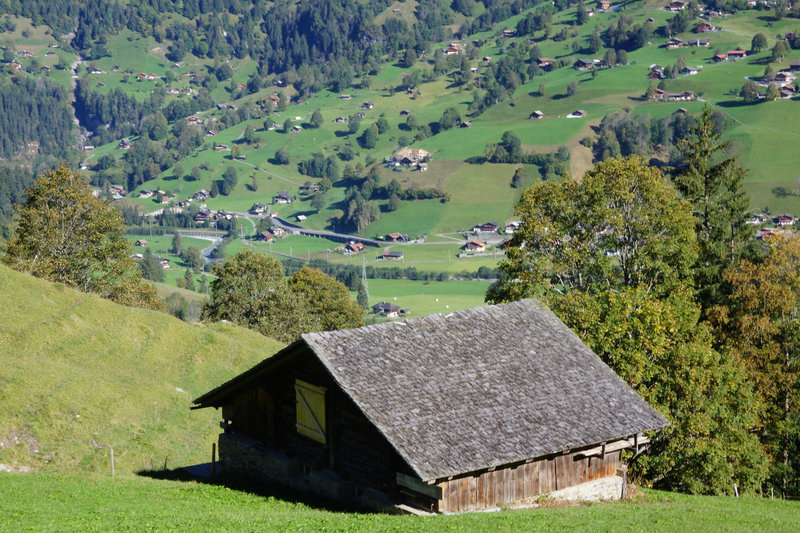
{"x": 583, "y": 64}
{"x": 386, "y": 309}
{"x": 486, "y": 227}
{"x": 397, "y": 237}
{"x": 544, "y": 63}
{"x": 522, "y": 409}
{"x": 719, "y": 58}
{"x": 737, "y": 54}
{"x": 353, "y": 248}
{"x": 536, "y": 114}
{"x": 704, "y": 27}
{"x": 698, "y": 42}
{"x": 391, "y": 254}
{"x": 283, "y": 197}
{"x": 673, "y": 43}
{"x": 475, "y": 245}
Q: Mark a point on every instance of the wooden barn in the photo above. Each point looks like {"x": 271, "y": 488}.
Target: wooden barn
{"x": 472, "y": 410}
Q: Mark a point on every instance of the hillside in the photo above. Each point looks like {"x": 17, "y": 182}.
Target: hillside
{"x": 49, "y": 503}
{"x": 76, "y": 367}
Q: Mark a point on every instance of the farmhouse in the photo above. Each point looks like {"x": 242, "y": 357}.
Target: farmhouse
{"x": 544, "y": 63}
{"x": 737, "y": 54}
{"x": 410, "y": 156}
{"x": 353, "y": 248}
{"x": 475, "y": 246}
{"x": 386, "y": 309}
{"x": 486, "y": 227}
{"x": 397, "y": 237}
{"x": 674, "y": 43}
{"x": 536, "y": 114}
{"x": 500, "y": 404}
{"x": 704, "y": 27}
{"x": 583, "y": 64}
{"x": 698, "y": 42}
{"x": 391, "y": 254}
{"x": 265, "y": 236}
{"x": 719, "y": 58}
{"x": 283, "y": 197}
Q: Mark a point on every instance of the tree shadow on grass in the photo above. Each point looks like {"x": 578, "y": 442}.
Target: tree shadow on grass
{"x": 265, "y": 489}
{"x": 735, "y": 103}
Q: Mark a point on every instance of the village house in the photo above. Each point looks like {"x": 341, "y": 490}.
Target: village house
{"x": 397, "y": 237}
{"x": 544, "y": 63}
{"x": 475, "y": 245}
{"x": 258, "y": 208}
{"x": 391, "y": 254}
{"x": 353, "y": 248}
{"x": 410, "y": 157}
{"x": 523, "y": 409}
{"x": 583, "y": 64}
{"x": 698, "y": 42}
{"x": 719, "y": 58}
{"x": 283, "y": 197}
{"x": 704, "y": 27}
{"x": 389, "y": 310}
{"x": 486, "y": 227}
{"x": 737, "y": 54}
{"x": 656, "y": 72}
{"x": 785, "y": 220}
{"x": 674, "y": 43}
{"x": 676, "y": 6}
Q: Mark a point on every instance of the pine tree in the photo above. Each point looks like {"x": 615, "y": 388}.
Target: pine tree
{"x": 188, "y": 280}
{"x": 712, "y": 182}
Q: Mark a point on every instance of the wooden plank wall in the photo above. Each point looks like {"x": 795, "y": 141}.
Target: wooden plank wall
{"x": 518, "y": 483}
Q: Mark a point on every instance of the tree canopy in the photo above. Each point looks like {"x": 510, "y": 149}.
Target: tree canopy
{"x": 250, "y": 290}
{"x": 62, "y": 233}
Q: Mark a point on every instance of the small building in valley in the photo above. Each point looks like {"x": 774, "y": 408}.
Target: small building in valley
{"x": 522, "y": 409}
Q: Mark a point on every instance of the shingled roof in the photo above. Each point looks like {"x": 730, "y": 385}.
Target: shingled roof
{"x": 478, "y": 388}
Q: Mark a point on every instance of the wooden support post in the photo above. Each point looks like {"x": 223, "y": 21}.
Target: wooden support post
{"x": 213, "y": 458}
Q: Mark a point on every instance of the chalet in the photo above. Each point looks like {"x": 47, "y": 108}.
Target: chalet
{"x": 680, "y": 96}
{"x": 340, "y": 120}
{"x": 522, "y": 409}
{"x": 767, "y": 233}
{"x": 578, "y": 113}
{"x": 511, "y": 227}
{"x": 704, "y": 27}
{"x": 397, "y": 237}
{"x": 737, "y": 54}
{"x": 297, "y": 128}
{"x": 544, "y": 63}
{"x": 211, "y": 133}
{"x": 785, "y": 220}
{"x": 392, "y": 254}
{"x": 354, "y": 248}
{"x": 787, "y": 91}
{"x": 240, "y": 85}
{"x": 309, "y": 189}
{"x": 283, "y": 197}
{"x": 228, "y": 107}
{"x": 360, "y": 114}
{"x": 141, "y": 76}
{"x": 367, "y": 105}
{"x": 145, "y": 193}
{"x": 674, "y": 43}
{"x": 140, "y": 242}
{"x": 25, "y": 53}
{"x": 45, "y": 69}
{"x": 486, "y": 227}
{"x": 96, "y": 70}
{"x": 676, "y": 6}
{"x": 719, "y": 58}
{"x": 203, "y": 216}
{"x": 386, "y": 309}
{"x": 221, "y": 147}
{"x": 345, "y": 97}
{"x": 583, "y": 64}
{"x": 689, "y": 71}
{"x": 603, "y": 5}
{"x": 509, "y": 33}
{"x": 194, "y": 119}
{"x": 656, "y": 72}
{"x": 258, "y": 208}
{"x": 410, "y": 156}
{"x": 301, "y": 218}
{"x": 15, "y": 65}
{"x": 265, "y": 236}
{"x": 784, "y": 77}
{"x": 475, "y": 246}
{"x": 473, "y": 69}
{"x": 405, "y": 113}
{"x": 152, "y": 77}
{"x": 422, "y": 167}
{"x": 536, "y": 114}
{"x": 202, "y": 194}
{"x": 698, "y": 42}
{"x": 277, "y": 231}
{"x": 88, "y": 148}
{"x": 466, "y": 124}
{"x": 487, "y": 59}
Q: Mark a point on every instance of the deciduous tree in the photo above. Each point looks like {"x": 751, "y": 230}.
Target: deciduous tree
{"x": 62, "y": 233}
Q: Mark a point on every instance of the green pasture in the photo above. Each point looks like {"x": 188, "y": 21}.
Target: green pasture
{"x": 421, "y": 296}
{"x": 38, "y": 502}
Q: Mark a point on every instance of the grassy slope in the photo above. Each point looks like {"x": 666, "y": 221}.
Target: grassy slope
{"x": 49, "y": 503}
{"x": 75, "y": 367}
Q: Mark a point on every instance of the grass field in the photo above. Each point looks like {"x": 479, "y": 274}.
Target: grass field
{"x": 426, "y": 297}
{"x": 76, "y": 367}
{"x": 35, "y": 502}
